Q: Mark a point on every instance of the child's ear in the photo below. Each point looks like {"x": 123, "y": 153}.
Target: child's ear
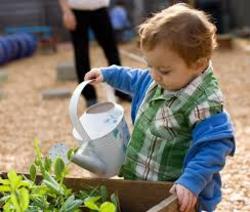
{"x": 201, "y": 64}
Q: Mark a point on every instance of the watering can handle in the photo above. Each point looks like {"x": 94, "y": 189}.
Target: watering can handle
{"x": 73, "y": 108}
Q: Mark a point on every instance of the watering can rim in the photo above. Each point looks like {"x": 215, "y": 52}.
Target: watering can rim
{"x": 102, "y": 103}
{"x": 119, "y": 120}
{"x": 73, "y": 111}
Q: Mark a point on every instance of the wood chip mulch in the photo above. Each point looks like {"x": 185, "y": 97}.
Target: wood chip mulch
{"x": 24, "y": 115}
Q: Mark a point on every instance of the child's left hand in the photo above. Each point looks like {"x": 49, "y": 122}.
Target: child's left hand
{"x": 186, "y": 198}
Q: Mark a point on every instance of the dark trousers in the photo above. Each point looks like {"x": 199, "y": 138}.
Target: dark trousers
{"x": 99, "y": 22}
{"x": 214, "y": 8}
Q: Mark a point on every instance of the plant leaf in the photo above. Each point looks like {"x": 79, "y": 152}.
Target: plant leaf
{"x": 39, "y": 157}
{"x": 82, "y": 194}
{"x": 71, "y": 153}
{"x": 71, "y": 204}
{"x": 104, "y": 193}
{"x": 47, "y": 164}
{"x": 4, "y": 199}
{"x": 114, "y": 199}
{"x": 53, "y": 184}
{"x": 14, "y": 180}
{"x": 5, "y": 188}
{"x": 32, "y": 172}
{"x": 15, "y": 202}
{"x": 8, "y": 206}
{"x": 59, "y": 168}
{"x": 25, "y": 183}
{"x": 90, "y": 202}
{"x": 39, "y": 190}
{"x": 107, "y": 207}
{"x": 40, "y": 202}
{"x": 4, "y": 181}
{"x": 55, "y": 188}
{"x": 37, "y": 149}
{"x": 24, "y": 198}
{"x": 94, "y": 191}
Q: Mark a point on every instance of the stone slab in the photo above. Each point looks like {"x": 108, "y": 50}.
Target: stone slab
{"x": 59, "y": 93}
{"x": 66, "y": 71}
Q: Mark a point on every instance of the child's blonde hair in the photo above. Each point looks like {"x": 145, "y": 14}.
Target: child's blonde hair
{"x": 186, "y": 31}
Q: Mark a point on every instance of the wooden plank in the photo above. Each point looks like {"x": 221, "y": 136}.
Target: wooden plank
{"x": 167, "y": 205}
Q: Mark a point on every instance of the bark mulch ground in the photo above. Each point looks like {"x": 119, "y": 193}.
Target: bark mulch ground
{"x": 24, "y": 115}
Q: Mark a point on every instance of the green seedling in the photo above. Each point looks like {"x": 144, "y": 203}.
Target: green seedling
{"x": 44, "y": 190}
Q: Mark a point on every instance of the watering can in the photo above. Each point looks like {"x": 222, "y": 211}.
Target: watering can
{"x": 102, "y": 134}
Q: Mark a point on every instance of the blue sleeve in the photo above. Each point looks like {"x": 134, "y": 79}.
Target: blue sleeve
{"x": 210, "y": 159}
{"x": 123, "y": 78}
{"x": 213, "y": 140}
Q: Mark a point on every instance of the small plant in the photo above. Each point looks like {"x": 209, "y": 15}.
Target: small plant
{"x": 47, "y": 192}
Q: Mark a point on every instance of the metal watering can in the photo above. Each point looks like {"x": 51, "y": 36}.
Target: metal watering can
{"x": 102, "y": 133}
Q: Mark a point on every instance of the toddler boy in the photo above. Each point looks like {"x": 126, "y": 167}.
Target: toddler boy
{"x": 181, "y": 130}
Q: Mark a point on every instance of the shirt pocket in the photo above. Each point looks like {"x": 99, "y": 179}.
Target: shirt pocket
{"x": 166, "y": 124}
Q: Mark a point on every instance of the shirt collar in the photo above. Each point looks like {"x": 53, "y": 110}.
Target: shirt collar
{"x": 191, "y": 87}
{"x": 188, "y": 89}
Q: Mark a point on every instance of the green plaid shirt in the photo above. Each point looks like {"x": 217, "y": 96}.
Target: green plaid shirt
{"x": 163, "y": 128}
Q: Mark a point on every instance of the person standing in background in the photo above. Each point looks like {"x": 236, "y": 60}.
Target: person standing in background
{"x": 78, "y": 16}
{"x": 215, "y": 9}
{"x": 120, "y": 21}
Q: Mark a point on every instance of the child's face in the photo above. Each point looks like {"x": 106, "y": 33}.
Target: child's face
{"x": 168, "y": 69}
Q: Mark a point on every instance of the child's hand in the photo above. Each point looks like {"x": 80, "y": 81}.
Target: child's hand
{"x": 94, "y": 74}
{"x": 186, "y": 198}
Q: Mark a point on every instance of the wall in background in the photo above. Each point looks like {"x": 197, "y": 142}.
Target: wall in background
{"x": 16, "y": 13}
{"x": 47, "y": 12}
{"x": 239, "y": 13}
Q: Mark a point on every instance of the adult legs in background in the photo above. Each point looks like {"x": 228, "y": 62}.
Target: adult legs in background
{"x": 81, "y": 53}
{"x": 214, "y": 8}
{"x": 102, "y": 28}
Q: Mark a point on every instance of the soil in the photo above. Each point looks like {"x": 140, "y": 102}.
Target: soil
{"x": 24, "y": 115}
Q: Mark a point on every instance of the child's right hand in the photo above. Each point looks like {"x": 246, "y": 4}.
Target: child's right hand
{"x": 186, "y": 198}
{"x": 94, "y": 74}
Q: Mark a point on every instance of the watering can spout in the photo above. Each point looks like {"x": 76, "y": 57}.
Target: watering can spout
{"x": 89, "y": 161}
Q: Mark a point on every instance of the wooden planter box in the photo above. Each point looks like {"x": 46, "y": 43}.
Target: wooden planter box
{"x": 134, "y": 196}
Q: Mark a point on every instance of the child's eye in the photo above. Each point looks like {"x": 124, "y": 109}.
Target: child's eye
{"x": 164, "y": 72}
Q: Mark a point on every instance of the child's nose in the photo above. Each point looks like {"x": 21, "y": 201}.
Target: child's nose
{"x": 156, "y": 76}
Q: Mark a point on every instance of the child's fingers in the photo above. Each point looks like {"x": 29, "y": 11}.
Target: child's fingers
{"x": 184, "y": 202}
{"x": 90, "y": 76}
{"x": 180, "y": 195}
{"x": 186, "y": 198}
{"x": 172, "y": 189}
{"x": 94, "y": 74}
{"x": 193, "y": 203}
{"x": 189, "y": 201}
